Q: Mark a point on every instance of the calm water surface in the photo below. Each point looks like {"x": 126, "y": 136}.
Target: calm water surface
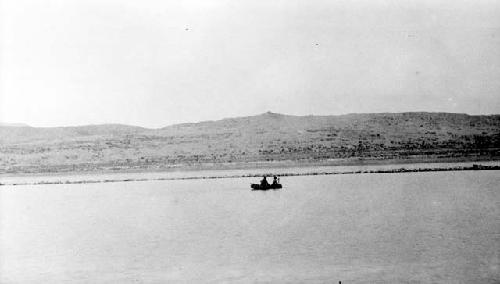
{"x": 441, "y": 227}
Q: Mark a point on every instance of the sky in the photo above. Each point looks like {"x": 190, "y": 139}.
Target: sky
{"x": 154, "y": 63}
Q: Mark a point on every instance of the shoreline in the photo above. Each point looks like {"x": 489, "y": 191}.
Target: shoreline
{"x": 356, "y": 161}
{"x": 409, "y": 169}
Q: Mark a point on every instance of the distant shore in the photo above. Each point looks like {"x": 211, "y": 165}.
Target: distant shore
{"x": 91, "y": 169}
{"x": 264, "y": 141}
{"x": 290, "y": 171}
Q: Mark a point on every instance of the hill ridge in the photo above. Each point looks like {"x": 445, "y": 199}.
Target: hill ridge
{"x": 264, "y": 114}
{"x": 267, "y": 137}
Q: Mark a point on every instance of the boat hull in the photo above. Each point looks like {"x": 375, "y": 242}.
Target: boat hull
{"x": 255, "y": 186}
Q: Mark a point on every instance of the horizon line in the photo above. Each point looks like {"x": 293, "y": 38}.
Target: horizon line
{"x": 22, "y": 124}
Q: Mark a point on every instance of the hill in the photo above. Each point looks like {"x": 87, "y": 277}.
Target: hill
{"x": 19, "y": 134}
{"x": 5, "y": 124}
{"x": 269, "y": 137}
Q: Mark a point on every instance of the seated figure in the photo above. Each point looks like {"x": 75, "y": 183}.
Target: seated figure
{"x": 264, "y": 182}
{"x": 275, "y": 180}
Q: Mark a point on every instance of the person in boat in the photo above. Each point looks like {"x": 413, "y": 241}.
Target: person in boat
{"x": 264, "y": 182}
{"x": 275, "y": 180}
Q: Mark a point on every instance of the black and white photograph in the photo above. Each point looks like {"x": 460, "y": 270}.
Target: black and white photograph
{"x": 249, "y": 141}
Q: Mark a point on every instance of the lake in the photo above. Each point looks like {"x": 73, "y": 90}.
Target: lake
{"x": 441, "y": 227}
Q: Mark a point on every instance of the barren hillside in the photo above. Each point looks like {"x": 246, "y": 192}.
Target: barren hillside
{"x": 262, "y": 138}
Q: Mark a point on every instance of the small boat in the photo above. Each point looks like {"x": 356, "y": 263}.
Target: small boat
{"x": 256, "y": 186}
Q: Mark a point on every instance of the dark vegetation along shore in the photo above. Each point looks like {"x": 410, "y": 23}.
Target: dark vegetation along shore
{"x": 259, "y": 175}
{"x": 269, "y": 138}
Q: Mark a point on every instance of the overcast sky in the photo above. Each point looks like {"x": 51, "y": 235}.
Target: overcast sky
{"x": 154, "y": 63}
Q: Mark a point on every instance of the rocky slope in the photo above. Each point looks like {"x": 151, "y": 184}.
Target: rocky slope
{"x": 268, "y": 137}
